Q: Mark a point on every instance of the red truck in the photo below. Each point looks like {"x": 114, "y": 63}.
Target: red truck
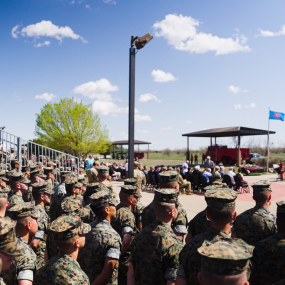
{"x": 221, "y": 153}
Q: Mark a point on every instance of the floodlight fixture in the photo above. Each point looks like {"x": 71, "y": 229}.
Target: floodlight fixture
{"x": 140, "y": 42}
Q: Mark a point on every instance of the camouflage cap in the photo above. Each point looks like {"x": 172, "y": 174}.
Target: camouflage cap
{"x": 131, "y": 181}
{"x": 68, "y": 226}
{"x": 35, "y": 172}
{"x": 221, "y": 198}
{"x": 50, "y": 163}
{"x": 168, "y": 176}
{"x": 96, "y": 163}
{"x": 261, "y": 186}
{"x": 225, "y": 256}
{"x": 20, "y": 177}
{"x": 73, "y": 182}
{"x": 3, "y": 176}
{"x": 166, "y": 195}
{"x": 25, "y": 168}
{"x": 33, "y": 167}
{"x": 96, "y": 187}
{"x": 42, "y": 187}
{"x": 82, "y": 180}
{"x": 136, "y": 163}
{"x": 280, "y": 206}
{"x": 64, "y": 173}
{"x": 4, "y": 192}
{"x": 130, "y": 190}
{"x": 73, "y": 206}
{"x": 48, "y": 170}
{"x": 23, "y": 210}
{"x": 15, "y": 161}
{"x": 9, "y": 243}
{"x": 101, "y": 198}
{"x": 103, "y": 169}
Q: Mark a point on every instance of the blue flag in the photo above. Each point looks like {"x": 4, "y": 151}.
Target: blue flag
{"x": 276, "y": 116}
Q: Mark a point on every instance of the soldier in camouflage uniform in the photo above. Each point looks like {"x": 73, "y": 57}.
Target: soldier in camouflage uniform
{"x": 72, "y": 190}
{"x": 125, "y": 225}
{"x": 168, "y": 179}
{"x": 10, "y": 245}
{"x": 221, "y": 213}
{"x": 139, "y": 175}
{"x": 103, "y": 174}
{"x": 59, "y": 190}
{"x": 106, "y": 244}
{"x": 74, "y": 207}
{"x": 49, "y": 172}
{"x": 23, "y": 266}
{"x": 15, "y": 165}
{"x": 4, "y": 181}
{"x": 199, "y": 223}
{"x": 224, "y": 262}
{"x": 42, "y": 195}
{"x": 92, "y": 174}
{"x": 257, "y": 223}
{"x": 27, "y": 195}
{"x": 138, "y": 209}
{"x": 19, "y": 184}
{"x": 69, "y": 233}
{"x": 269, "y": 254}
{"x": 155, "y": 250}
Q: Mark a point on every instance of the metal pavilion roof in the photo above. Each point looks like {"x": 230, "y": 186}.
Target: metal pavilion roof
{"x": 229, "y": 132}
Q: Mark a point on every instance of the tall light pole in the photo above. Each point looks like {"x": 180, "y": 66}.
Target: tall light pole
{"x": 139, "y": 42}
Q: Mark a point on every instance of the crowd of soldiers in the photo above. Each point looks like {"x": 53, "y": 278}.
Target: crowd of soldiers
{"x": 76, "y": 232}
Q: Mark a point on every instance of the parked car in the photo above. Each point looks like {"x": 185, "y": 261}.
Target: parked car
{"x": 253, "y": 155}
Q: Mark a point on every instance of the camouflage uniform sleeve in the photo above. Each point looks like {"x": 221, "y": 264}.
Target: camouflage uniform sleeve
{"x": 144, "y": 179}
{"x": 128, "y": 224}
{"x": 181, "y": 221}
{"x": 26, "y": 264}
{"x": 42, "y": 224}
{"x": 172, "y": 261}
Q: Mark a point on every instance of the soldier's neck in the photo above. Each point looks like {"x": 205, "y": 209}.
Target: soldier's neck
{"x": 266, "y": 205}
{"x": 224, "y": 228}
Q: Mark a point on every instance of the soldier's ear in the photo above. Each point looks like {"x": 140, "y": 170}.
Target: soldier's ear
{"x": 234, "y": 216}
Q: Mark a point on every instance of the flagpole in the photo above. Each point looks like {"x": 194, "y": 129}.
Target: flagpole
{"x": 268, "y": 141}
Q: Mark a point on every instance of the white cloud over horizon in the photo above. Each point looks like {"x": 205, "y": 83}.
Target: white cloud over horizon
{"x": 166, "y": 129}
{"x": 161, "y": 76}
{"x": 46, "y": 43}
{"x": 46, "y": 29}
{"x": 181, "y": 33}
{"x": 235, "y": 89}
{"x": 237, "y": 106}
{"x": 46, "y": 96}
{"x": 251, "y": 105}
{"x": 142, "y": 131}
{"x": 266, "y": 33}
{"x": 99, "y": 89}
{"x": 148, "y": 97}
{"x": 141, "y": 118}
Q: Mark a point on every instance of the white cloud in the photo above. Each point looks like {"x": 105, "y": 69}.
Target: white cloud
{"x": 189, "y": 122}
{"x": 147, "y": 97}
{"x": 97, "y": 89}
{"x": 181, "y": 32}
{"x": 46, "y": 43}
{"x": 107, "y": 107}
{"x": 161, "y": 76}
{"x": 140, "y": 118}
{"x": 166, "y": 129}
{"x": 235, "y": 89}
{"x": 46, "y": 29}
{"x": 251, "y": 105}
{"x": 238, "y": 106}
{"x": 142, "y": 131}
{"x": 272, "y": 34}
{"x": 45, "y": 96}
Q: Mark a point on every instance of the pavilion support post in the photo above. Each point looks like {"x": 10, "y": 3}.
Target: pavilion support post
{"x": 211, "y": 152}
{"x": 215, "y": 141}
{"x": 148, "y": 152}
{"x": 121, "y": 151}
{"x": 113, "y": 152}
{"x": 238, "y": 153}
{"x": 187, "y": 153}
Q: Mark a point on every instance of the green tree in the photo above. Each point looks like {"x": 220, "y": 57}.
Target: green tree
{"x": 71, "y": 127}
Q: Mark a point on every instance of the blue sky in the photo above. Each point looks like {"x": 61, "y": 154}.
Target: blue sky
{"x": 210, "y": 64}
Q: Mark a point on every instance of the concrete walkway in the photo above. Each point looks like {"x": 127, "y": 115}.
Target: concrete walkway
{"x": 193, "y": 204}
